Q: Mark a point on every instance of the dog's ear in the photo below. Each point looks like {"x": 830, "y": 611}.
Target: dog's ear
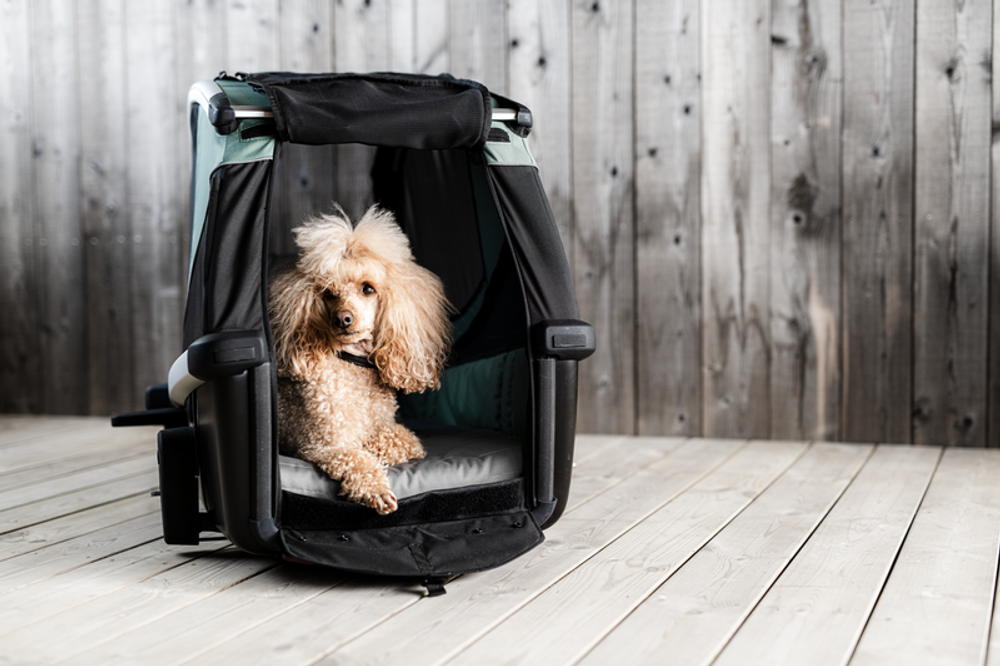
{"x": 412, "y": 331}
{"x": 293, "y": 308}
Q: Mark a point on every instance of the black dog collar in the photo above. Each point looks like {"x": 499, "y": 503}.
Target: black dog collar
{"x": 360, "y": 361}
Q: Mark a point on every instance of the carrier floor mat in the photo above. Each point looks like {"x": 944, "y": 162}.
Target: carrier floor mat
{"x": 456, "y": 458}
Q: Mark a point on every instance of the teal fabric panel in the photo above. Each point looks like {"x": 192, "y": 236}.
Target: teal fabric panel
{"x": 513, "y": 151}
{"x": 209, "y": 150}
{"x": 213, "y": 149}
{"x": 489, "y": 394}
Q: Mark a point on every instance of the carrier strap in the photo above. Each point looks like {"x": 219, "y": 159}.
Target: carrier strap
{"x": 356, "y": 360}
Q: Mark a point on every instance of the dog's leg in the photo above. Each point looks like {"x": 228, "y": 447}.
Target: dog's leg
{"x": 362, "y": 478}
{"x": 394, "y": 444}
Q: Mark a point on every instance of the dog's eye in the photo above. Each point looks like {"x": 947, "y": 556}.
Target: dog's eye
{"x": 367, "y": 289}
{"x": 328, "y": 295}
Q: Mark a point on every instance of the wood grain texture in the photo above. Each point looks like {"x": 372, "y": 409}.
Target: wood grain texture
{"x": 993, "y": 363}
{"x": 477, "y": 42}
{"x": 476, "y": 604}
{"x": 780, "y": 214}
{"x": 878, "y": 218}
{"x": 668, "y": 218}
{"x": 635, "y": 564}
{"x": 691, "y": 550}
{"x": 363, "y": 44}
{"x": 936, "y": 604}
{"x": 539, "y": 75}
{"x": 815, "y": 612}
{"x": 735, "y": 203}
{"x": 156, "y": 212}
{"x": 104, "y": 163}
{"x": 952, "y": 228}
{"x": 603, "y": 214}
{"x": 58, "y": 273}
{"x": 806, "y": 105}
{"x": 20, "y": 362}
{"x": 697, "y": 610}
{"x": 305, "y": 176}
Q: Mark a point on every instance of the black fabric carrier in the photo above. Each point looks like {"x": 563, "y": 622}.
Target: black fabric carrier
{"x": 465, "y": 190}
{"x": 395, "y": 110}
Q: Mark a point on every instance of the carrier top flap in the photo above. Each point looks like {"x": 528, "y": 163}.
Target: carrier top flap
{"x": 396, "y": 110}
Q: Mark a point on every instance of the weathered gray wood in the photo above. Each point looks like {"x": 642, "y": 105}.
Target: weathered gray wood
{"x": 816, "y": 610}
{"x": 20, "y": 517}
{"x": 878, "y": 209}
{"x": 477, "y": 40}
{"x": 58, "y": 274}
{"x": 114, "y": 614}
{"x": 735, "y": 198}
{"x": 539, "y": 74}
{"x": 806, "y": 103}
{"x": 31, "y": 568}
{"x": 363, "y": 44}
{"x": 936, "y": 605}
{"x": 668, "y": 211}
{"x": 69, "y": 527}
{"x": 952, "y": 229}
{"x": 197, "y": 628}
{"x": 475, "y": 604}
{"x": 993, "y": 364}
{"x": 615, "y": 463}
{"x": 89, "y": 581}
{"x": 38, "y": 452}
{"x": 430, "y": 36}
{"x": 635, "y": 564}
{"x": 305, "y": 176}
{"x": 697, "y": 610}
{"x": 19, "y": 429}
{"x": 20, "y": 361}
{"x": 70, "y": 483}
{"x": 104, "y": 164}
{"x": 811, "y": 334}
{"x": 677, "y": 549}
{"x": 156, "y": 213}
{"x": 603, "y": 216}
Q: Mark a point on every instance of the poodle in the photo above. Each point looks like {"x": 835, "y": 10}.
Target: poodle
{"x": 354, "y": 320}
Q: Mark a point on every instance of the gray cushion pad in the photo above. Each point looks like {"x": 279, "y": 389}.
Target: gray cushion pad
{"x": 456, "y": 458}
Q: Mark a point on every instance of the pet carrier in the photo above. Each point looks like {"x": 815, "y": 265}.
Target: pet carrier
{"x": 453, "y": 165}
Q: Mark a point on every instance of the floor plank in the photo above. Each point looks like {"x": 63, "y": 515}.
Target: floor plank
{"x": 426, "y": 632}
{"x": 80, "y": 500}
{"x": 696, "y": 611}
{"x": 65, "y": 556}
{"x": 75, "y": 525}
{"x": 815, "y": 612}
{"x": 634, "y": 565}
{"x": 936, "y": 606}
{"x": 691, "y": 550}
{"x": 129, "y": 608}
{"x": 245, "y": 607}
{"x": 82, "y": 480}
{"x": 61, "y": 446}
{"x": 68, "y": 593}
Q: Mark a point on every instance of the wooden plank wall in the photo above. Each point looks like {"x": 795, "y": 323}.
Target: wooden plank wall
{"x": 779, "y": 213}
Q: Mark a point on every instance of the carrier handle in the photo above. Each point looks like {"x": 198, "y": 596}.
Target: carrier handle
{"x": 225, "y": 116}
{"x": 558, "y": 345}
{"x": 212, "y": 356}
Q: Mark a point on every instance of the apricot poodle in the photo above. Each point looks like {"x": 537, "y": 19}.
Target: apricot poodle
{"x": 354, "y": 320}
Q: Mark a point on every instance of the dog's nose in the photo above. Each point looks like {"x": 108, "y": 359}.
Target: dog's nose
{"x": 344, "y": 318}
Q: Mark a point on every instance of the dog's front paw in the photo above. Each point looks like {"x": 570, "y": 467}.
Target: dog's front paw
{"x": 384, "y": 502}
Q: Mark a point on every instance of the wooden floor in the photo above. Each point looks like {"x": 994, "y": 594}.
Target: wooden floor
{"x": 672, "y": 551}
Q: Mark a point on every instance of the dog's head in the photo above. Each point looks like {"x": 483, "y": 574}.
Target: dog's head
{"x": 356, "y": 288}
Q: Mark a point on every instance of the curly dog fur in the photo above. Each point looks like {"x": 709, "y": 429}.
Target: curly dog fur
{"x": 355, "y": 295}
